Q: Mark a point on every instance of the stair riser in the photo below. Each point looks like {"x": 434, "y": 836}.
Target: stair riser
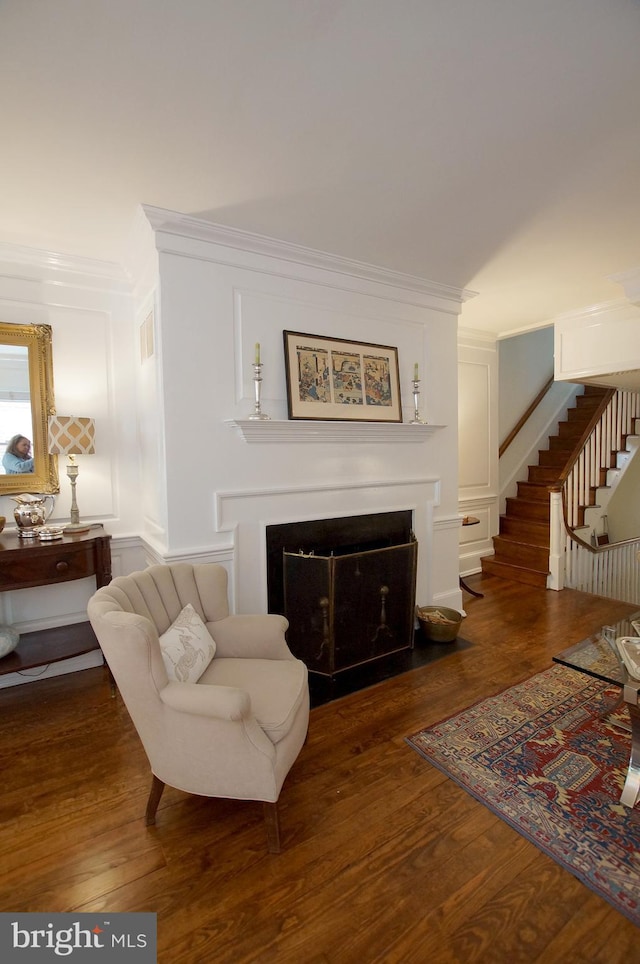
{"x": 518, "y": 554}
{"x": 561, "y": 445}
{"x": 514, "y": 573}
{"x": 591, "y": 397}
{"x": 533, "y": 492}
{"x": 548, "y": 458}
{"x": 534, "y": 511}
{"x": 570, "y": 430}
{"x": 533, "y": 533}
{"x": 545, "y": 474}
{"x": 583, "y": 410}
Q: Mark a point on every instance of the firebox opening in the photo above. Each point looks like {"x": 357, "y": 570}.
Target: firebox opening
{"x": 341, "y": 536}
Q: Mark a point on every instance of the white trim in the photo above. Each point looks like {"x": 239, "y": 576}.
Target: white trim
{"x": 220, "y": 554}
{"x": 172, "y": 223}
{"x": 94, "y": 273}
{"x": 272, "y": 430}
{"x": 226, "y": 522}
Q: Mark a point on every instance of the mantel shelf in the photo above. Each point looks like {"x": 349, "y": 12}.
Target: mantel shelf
{"x": 299, "y": 430}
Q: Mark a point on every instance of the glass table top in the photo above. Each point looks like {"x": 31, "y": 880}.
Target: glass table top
{"x": 598, "y": 657}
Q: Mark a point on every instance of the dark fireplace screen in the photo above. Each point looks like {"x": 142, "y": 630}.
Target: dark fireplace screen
{"x": 347, "y": 608}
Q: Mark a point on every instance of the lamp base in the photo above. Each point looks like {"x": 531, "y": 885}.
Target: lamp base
{"x": 74, "y": 528}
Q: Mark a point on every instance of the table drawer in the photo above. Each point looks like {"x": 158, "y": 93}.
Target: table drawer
{"x": 46, "y": 565}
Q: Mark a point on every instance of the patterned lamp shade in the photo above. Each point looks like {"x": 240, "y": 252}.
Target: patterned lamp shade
{"x": 71, "y": 435}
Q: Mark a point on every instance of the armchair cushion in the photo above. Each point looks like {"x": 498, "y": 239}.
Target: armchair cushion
{"x": 187, "y": 647}
{"x": 276, "y": 688}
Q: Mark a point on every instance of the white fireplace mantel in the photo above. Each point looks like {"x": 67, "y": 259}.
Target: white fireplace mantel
{"x": 276, "y": 430}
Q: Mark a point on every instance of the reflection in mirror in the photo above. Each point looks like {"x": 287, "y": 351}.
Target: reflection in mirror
{"x": 26, "y": 401}
{"x": 16, "y": 423}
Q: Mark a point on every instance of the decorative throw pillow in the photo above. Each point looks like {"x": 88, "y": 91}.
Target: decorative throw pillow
{"x": 187, "y": 647}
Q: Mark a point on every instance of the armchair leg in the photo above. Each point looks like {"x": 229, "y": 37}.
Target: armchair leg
{"x": 272, "y": 822}
{"x": 157, "y": 786}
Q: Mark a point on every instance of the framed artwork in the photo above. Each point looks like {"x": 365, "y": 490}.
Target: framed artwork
{"x": 335, "y": 379}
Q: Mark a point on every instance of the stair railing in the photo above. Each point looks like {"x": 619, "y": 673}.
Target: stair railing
{"x": 610, "y": 570}
{"x": 526, "y": 415}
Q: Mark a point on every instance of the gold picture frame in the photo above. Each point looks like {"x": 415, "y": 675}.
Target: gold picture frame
{"x": 37, "y": 339}
{"x": 334, "y": 379}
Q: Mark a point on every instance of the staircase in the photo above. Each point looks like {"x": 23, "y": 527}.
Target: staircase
{"x": 521, "y": 549}
{"x": 589, "y": 522}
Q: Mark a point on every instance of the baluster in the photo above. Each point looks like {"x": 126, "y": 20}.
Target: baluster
{"x": 568, "y": 488}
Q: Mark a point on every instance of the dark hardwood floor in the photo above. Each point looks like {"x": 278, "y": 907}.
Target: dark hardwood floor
{"x": 384, "y": 859}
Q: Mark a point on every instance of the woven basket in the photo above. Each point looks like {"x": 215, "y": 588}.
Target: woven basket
{"x": 439, "y": 624}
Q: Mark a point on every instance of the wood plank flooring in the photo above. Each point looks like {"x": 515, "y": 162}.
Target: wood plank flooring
{"x": 384, "y": 859}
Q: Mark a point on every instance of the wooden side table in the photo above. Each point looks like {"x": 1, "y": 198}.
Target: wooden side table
{"x": 470, "y": 520}
{"x": 29, "y": 563}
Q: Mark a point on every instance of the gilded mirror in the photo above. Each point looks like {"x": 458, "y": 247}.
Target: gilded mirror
{"x": 26, "y": 401}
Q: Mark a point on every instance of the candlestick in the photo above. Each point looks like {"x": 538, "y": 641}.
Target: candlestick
{"x": 257, "y": 384}
{"x": 416, "y": 420}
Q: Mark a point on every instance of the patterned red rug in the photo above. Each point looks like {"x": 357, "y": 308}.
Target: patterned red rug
{"x": 543, "y": 756}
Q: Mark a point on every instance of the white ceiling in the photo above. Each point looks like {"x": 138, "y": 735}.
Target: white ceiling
{"x": 492, "y": 145}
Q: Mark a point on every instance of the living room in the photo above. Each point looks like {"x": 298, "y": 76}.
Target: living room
{"x": 158, "y": 344}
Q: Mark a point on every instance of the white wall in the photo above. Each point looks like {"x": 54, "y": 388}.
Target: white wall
{"x": 623, "y": 509}
{"x": 600, "y": 345}
{"x": 221, "y": 292}
{"x": 161, "y": 358}
{"x": 89, "y": 308}
{"x": 478, "y": 445}
{"x": 525, "y": 365}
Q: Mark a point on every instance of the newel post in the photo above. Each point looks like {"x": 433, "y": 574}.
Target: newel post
{"x": 555, "y": 579}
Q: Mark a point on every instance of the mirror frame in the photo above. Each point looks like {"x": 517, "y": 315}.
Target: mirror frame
{"x": 38, "y": 340}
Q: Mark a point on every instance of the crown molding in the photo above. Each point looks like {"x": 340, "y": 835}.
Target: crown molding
{"x": 593, "y": 311}
{"x": 186, "y": 226}
{"x": 476, "y": 335}
{"x": 55, "y": 265}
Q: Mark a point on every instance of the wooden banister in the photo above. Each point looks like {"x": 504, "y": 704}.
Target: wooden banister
{"x": 524, "y": 417}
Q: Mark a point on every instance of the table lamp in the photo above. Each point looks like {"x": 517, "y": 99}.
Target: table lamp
{"x": 72, "y": 435}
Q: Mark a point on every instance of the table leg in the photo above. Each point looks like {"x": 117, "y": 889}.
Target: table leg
{"x": 632, "y": 783}
{"x": 463, "y": 585}
{"x": 613, "y": 720}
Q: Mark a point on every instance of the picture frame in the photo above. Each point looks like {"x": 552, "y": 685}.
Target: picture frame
{"x": 335, "y": 379}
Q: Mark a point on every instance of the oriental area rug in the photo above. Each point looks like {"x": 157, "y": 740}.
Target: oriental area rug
{"x": 546, "y": 757}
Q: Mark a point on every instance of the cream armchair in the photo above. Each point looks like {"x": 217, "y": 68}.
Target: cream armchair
{"x": 234, "y": 733}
